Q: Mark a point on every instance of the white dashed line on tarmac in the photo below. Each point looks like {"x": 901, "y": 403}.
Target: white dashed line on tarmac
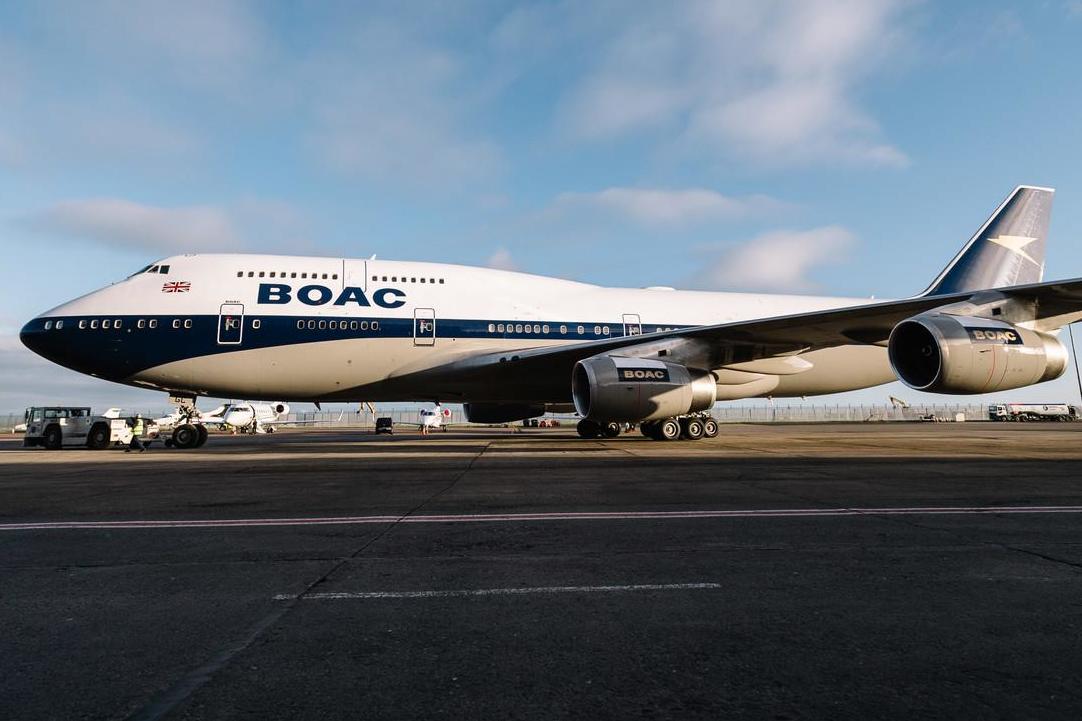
{"x": 375, "y": 595}
{"x": 537, "y": 517}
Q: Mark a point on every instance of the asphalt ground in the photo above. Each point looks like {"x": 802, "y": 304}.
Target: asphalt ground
{"x": 780, "y": 572}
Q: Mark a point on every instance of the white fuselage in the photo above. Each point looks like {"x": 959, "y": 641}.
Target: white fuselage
{"x": 297, "y": 328}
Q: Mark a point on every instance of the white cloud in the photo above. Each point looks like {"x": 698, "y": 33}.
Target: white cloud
{"x": 124, "y": 224}
{"x": 774, "y": 82}
{"x": 501, "y": 260}
{"x": 202, "y": 43}
{"x": 114, "y": 222}
{"x": 389, "y": 105}
{"x": 776, "y": 261}
{"x": 665, "y": 206}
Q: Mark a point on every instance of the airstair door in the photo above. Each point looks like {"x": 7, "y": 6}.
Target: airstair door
{"x": 424, "y": 326}
{"x": 632, "y": 325}
{"x": 230, "y": 324}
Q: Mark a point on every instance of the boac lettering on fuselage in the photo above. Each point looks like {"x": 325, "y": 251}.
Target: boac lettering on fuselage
{"x": 280, "y": 294}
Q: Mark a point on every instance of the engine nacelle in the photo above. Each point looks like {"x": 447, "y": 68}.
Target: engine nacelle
{"x": 608, "y": 388}
{"x": 280, "y": 409}
{"x": 502, "y": 412}
{"x": 942, "y": 353}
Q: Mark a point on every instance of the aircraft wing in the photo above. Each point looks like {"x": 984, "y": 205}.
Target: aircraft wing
{"x": 545, "y": 372}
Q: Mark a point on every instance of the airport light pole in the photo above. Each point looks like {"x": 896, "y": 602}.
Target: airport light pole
{"x": 1074, "y": 352}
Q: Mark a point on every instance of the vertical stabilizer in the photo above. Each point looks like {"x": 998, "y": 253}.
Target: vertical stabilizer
{"x": 1007, "y": 250}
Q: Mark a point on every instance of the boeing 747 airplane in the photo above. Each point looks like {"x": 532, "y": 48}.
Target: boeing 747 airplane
{"x": 511, "y": 345}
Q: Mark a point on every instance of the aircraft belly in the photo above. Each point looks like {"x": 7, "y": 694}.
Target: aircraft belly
{"x": 321, "y": 370}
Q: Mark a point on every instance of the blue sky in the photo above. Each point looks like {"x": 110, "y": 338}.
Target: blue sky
{"x": 856, "y": 144}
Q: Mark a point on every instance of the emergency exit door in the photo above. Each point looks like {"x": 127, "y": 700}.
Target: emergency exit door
{"x": 632, "y": 324}
{"x": 424, "y": 326}
{"x": 230, "y": 324}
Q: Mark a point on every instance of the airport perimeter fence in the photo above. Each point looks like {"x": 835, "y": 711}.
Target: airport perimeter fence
{"x": 777, "y": 413}
{"x": 723, "y": 414}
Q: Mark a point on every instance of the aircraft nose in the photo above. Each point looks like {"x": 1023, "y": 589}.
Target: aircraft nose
{"x": 54, "y": 339}
{"x": 32, "y": 335}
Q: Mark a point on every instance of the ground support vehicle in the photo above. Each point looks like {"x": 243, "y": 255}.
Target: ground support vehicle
{"x": 1032, "y": 412}
{"x": 55, "y": 427}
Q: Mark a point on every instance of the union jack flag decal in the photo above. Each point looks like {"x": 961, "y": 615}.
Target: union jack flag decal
{"x": 177, "y": 287}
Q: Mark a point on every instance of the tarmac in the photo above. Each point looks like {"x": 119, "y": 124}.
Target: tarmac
{"x": 880, "y": 570}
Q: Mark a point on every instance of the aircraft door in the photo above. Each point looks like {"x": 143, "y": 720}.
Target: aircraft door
{"x": 424, "y": 326}
{"x": 230, "y": 324}
{"x": 632, "y": 324}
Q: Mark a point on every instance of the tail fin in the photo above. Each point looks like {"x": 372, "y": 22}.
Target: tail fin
{"x": 1007, "y": 250}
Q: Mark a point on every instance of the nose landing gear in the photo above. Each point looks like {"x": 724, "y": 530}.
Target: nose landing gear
{"x": 188, "y": 432}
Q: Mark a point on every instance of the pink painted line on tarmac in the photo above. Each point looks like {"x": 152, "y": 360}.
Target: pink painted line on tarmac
{"x": 538, "y": 517}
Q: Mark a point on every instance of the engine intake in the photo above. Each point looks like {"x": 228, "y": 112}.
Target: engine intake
{"x": 608, "y": 388}
{"x": 942, "y": 353}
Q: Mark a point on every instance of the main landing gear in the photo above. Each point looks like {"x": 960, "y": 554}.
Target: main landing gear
{"x": 691, "y": 428}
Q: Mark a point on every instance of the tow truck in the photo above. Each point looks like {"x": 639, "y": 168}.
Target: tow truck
{"x": 55, "y": 427}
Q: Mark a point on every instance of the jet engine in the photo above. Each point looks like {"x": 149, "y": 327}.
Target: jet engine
{"x": 942, "y": 353}
{"x": 608, "y": 388}
{"x": 280, "y": 409}
{"x": 502, "y": 412}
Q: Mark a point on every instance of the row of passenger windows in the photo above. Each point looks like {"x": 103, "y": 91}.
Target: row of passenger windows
{"x": 114, "y": 323}
{"x": 544, "y": 328}
{"x": 338, "y": 325}
{"x": 410, "y": 279}
{"x": 284, "y": 274}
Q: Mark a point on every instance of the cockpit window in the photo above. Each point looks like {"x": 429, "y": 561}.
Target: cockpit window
{"x": 144, "y": 269}
{"x": 164, "y": 269}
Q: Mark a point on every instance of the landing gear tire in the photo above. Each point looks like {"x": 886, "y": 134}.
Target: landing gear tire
{"x": 691, "y": 429}
{"x": 611, "y": 430}
{"x": 588, "y": 429}
{"x": 98, "y": 438}
{"x": 648, "y": 428}
{"x": 203, "y": 435}
{"x": 185, "y": 436}
{"x": 711, "y": 428}
{"x": 668, "y": 429}
{"x": 52, "y": 439}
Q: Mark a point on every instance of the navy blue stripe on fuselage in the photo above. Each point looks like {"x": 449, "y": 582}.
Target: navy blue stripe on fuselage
{"x": 119, "y": 352}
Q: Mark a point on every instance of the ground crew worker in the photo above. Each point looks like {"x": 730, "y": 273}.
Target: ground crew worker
{"x": 136, "y": 433}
